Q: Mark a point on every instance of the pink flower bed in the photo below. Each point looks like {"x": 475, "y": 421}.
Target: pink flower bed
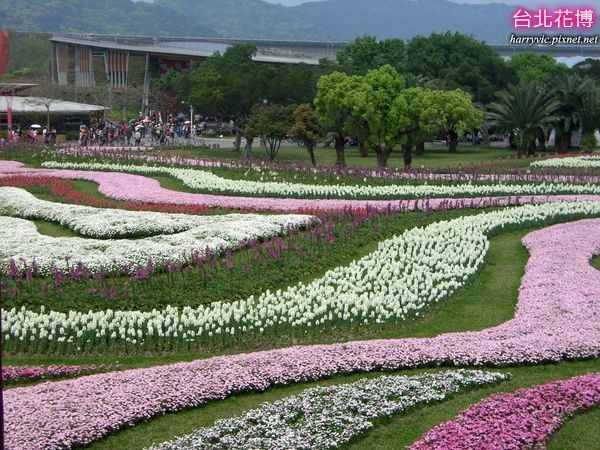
{"x": 18, "y": 373}
{"x": 557, "y": 318}
{"x": 123, "y": 186}
{"x": 515, "y": 421}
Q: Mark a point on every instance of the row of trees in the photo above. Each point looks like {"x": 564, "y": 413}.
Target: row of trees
{"x": 378, "y": 108}
{"x": 383, "y": 112}
{"x": 566, "y": 104}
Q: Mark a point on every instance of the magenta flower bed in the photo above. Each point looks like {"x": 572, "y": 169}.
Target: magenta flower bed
{"x": 515, "y": 421}
{"x": 19, "y": 373}
{"x": 123, "y": 186}
{"x": 557, "y": 317}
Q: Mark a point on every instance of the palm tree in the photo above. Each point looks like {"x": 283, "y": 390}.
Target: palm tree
{"x": 523, "y": 110}
{"x": 571, "y": 91}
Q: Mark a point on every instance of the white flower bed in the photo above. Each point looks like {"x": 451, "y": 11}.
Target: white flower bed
{"x": 101, "y": 223}
{"x": 206, "y": 181}
{"x": 329, "y": 417}
{"x": 580, "y": 162}
{"x": 406, "y": 275}
{"x": 22, "y": 242}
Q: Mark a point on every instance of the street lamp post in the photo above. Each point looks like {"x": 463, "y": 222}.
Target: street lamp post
{"x": 191, "y": 111}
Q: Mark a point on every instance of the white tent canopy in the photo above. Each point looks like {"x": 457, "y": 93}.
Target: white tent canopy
{"x": 23, "y": 105}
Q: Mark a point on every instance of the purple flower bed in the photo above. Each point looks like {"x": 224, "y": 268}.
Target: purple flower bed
{"x": 557, "y": 318}
{"x": 515, "y": 421}
{"x": 29, "y": 373}
{"x": 138, "y": 188}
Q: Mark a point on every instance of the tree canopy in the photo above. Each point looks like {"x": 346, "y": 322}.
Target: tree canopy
{"x": 536, "y": 68}
{"x": 462, "y": 61}
{"x": 366, "y": 53}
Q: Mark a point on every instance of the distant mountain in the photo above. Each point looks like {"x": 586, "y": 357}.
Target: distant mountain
{"x": 318, "y": 20}
{"x": 347, "y": 19}
{"x": 106, "y": 16}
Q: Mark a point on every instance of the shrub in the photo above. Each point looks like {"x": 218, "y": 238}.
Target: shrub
{"x": 588, "y": 142}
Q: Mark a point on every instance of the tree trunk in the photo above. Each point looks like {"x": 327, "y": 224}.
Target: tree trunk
{"x": 420, "y": 149}
{"x": 311, "y": 152}
{"x": 362, "y": 148}
{"x": 541, "y": 137}
{"x": 486, "y": 138}
{"x": 248, "y": 148}
{"x": 407, "y": 155}
{"x": 382, "y": 157}
{"x": 531, "y": 148}
{"x": 238, "y": 139}
{"x": 563, "y": 142}
{"x": 339, "y": 151}
{"x": 452, "y": 141}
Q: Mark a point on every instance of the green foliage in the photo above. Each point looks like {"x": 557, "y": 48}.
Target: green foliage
{"x": 524, "y": 110}
{"x": 533, "y": 68}
{"x": 331, "y": 104}
{"x": 450, "y": 111}
{"x": 294, "y": 83}
{"x": 366, "y": 52}
{"x": 571, "y": 90}
{"x": 588, "y": 143}
{"x": 588, "y": 68}
{"x": 378, "y": 110}
{"x": 590, "y": 110}
{"x": 272, "y": 123}
{"x": 306, "y": 128}
{"x": 226, "y": 85}
{"x": 29, "y": 55}
{"x": 462, "y": 62}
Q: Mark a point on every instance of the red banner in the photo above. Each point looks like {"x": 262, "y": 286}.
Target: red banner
{"x": 4, "y": 51}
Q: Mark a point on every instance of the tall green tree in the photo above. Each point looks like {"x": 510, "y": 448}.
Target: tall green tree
{"x": 227, "y": 85}
{"x": 535, "y": 68}
{"x": 571, "y": 91}
{"x": 588, "y": 68}
{"x": 462, "y": 61}
{"x": 366, "y": 53}
{"x": 377, "y": 101}
{"x": 590, "y": 118}
{"x": 523, "y": 109}
{"x": 271, "y": 122}
{"x": 307, "y": 129}
{"x": 332, "y": 106}
{"x": 453, "y": 112}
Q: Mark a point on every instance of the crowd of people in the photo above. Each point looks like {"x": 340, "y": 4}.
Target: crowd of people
{"x": 145, "y": 130}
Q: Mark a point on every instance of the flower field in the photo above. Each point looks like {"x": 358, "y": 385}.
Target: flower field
{"x": 253, "y": 311}
{"x": 581, "y": 162}
{"x": 205, "y": 181}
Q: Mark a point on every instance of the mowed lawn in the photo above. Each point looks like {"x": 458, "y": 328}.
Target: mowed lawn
{"x": 434, "y": 157}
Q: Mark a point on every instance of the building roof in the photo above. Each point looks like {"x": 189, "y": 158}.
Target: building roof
{"x": 38, "y": 104}
{"x": 12, "y": 88}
